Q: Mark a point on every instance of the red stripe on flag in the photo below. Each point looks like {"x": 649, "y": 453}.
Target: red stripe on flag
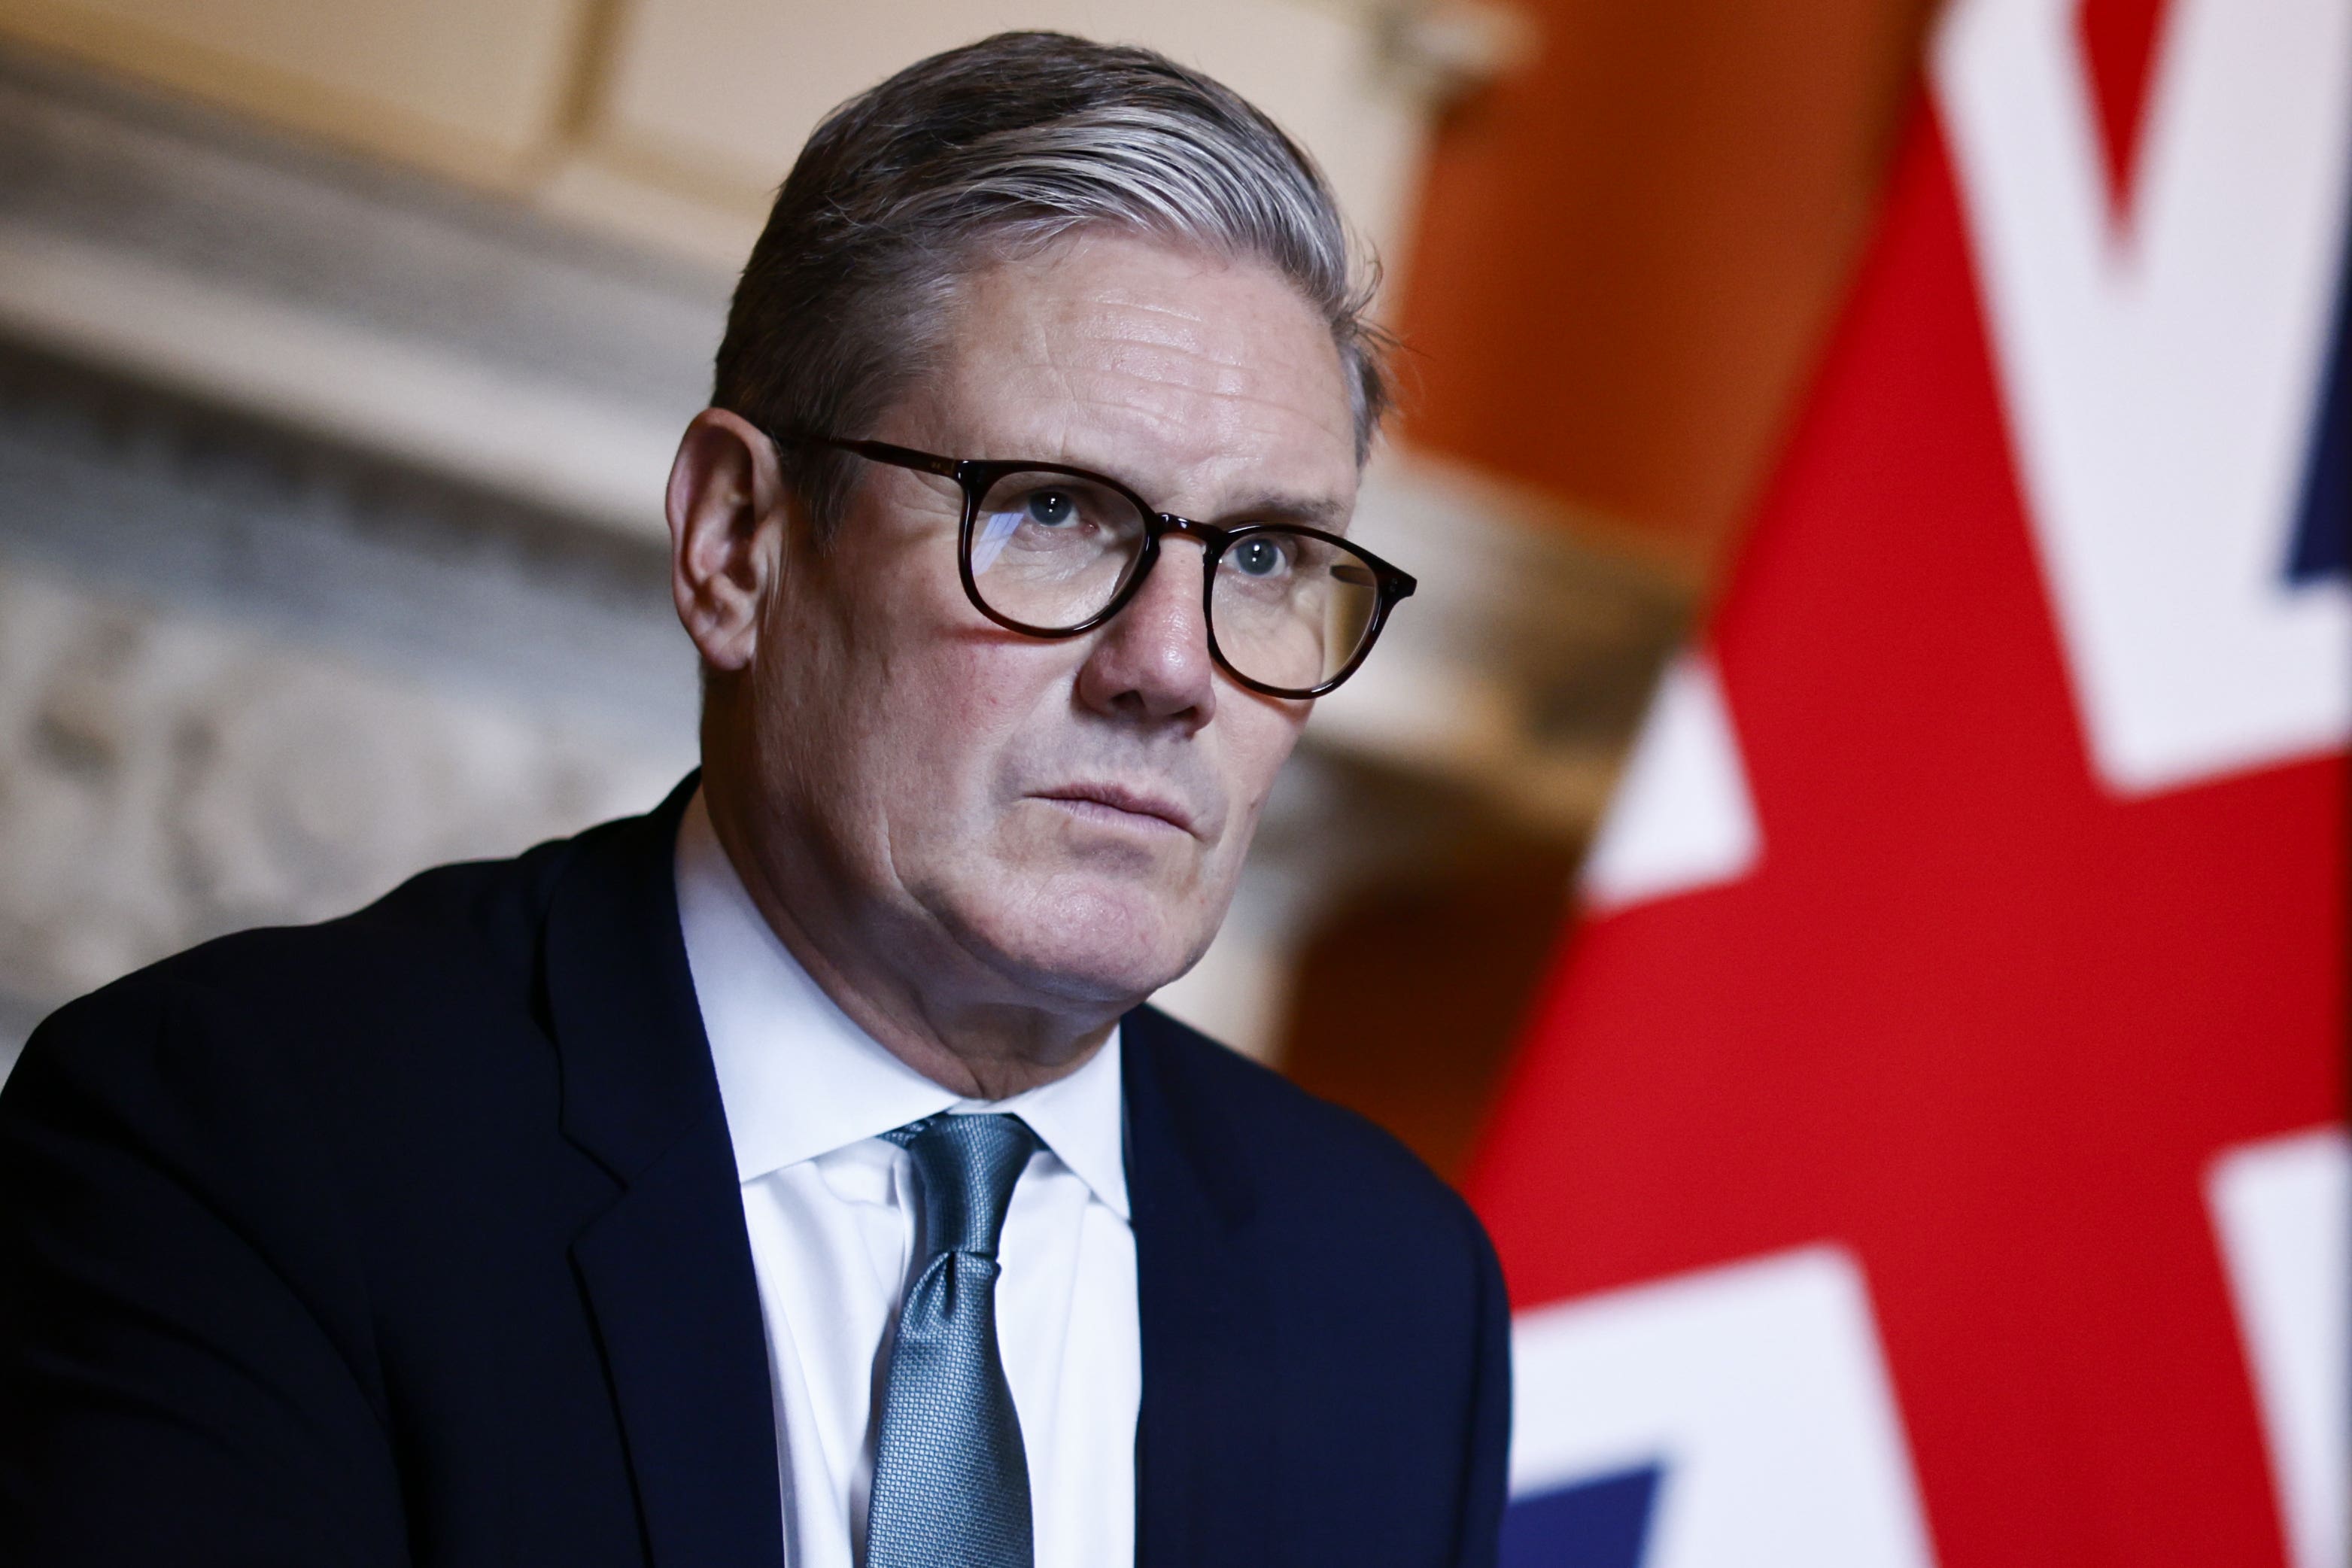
{"x": 1972, "y": 1017}
{"x": 2118, "y": 42}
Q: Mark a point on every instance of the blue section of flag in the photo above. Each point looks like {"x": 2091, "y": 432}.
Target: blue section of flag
{"x": 1601, "y": 1523}
{"x": 2323, "y": 532}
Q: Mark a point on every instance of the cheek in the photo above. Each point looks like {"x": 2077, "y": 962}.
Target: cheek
{"x": 961, "y": 719}
{"x": 851, "y": 706}
{"x": 1260, "y": 735}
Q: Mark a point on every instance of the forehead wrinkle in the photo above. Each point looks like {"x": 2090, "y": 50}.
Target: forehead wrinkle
{"x": 1125, "y": 435}
{"x": 1187, "y": 350}
{"x": 1174, "y": 366}
{"x": 1134, "y": 387}
{"x": 1167, "y": 393}
{"x": 1182, "y": 392}
{"x": 1136, "y": 331}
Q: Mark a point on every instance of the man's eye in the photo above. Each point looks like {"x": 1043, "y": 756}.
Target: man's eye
{"x": 1258, "y": 557}
{"x": 1052, "y": 507}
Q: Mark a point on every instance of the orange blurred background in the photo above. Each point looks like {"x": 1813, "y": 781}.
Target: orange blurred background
{"x": 278, "y": 273}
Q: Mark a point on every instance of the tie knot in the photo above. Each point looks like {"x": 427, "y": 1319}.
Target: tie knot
{"x": 965, "y": 1167}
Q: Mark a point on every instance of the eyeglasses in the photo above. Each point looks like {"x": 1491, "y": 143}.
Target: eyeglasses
{"x": 1054, "y": 552}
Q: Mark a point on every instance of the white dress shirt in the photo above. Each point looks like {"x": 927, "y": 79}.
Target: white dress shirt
{"x": 831, "y": 1210}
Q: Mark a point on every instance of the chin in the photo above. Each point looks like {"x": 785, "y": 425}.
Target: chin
{"x": 1104, "y": 940}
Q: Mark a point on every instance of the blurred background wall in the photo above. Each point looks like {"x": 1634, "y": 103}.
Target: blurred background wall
{"x": 342, "y": 349}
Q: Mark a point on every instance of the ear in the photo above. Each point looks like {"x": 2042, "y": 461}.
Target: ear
{"x": 726, "y": 508}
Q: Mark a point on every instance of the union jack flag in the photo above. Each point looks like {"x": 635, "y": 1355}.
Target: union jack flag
{"x": 1930, "y": 1149}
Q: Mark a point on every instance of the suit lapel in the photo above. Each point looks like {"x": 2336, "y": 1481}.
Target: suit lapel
{"x": 1206, "y": 1438}
{"x": 668, "y": 1271}
{"x": 667, "y": 1268}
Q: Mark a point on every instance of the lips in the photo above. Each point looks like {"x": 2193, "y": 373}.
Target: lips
{"x": 1124, "y": 798}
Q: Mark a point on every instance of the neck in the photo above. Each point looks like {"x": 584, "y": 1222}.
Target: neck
{"x": 971, "y": 1038}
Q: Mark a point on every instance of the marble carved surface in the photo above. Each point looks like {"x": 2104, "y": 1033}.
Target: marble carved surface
{"x": 165, "y": 777}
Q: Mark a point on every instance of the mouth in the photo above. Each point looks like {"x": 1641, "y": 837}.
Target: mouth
{"x": 1121, "y": 807}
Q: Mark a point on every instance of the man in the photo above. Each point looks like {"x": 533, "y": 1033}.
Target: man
{"x": 793, "y": 1174}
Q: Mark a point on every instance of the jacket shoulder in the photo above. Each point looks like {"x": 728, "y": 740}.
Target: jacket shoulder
{"x": 1309, "y": 1160}
{"x": 1382, "y": 1313}
{"x": 448, "y": 947}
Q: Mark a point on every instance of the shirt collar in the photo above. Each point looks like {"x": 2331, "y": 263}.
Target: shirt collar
{"x": 799, "y": 1078}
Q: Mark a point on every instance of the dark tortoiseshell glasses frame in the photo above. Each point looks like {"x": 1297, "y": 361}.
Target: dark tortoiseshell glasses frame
{"x": 975, "y": 477}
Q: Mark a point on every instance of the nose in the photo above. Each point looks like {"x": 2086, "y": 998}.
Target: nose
{"x": 1152, "y": 660}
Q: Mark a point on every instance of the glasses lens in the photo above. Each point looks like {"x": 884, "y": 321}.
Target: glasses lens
{"x": 1051, "y": 550}
{"x": 1291, "y": 610}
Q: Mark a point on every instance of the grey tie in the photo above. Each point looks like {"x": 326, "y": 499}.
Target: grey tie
{"x": 950, "y": 1481}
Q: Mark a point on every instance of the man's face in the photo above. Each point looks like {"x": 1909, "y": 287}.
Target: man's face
{"x": 1071, "y": 815}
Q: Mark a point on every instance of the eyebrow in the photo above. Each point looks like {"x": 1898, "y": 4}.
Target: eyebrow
{"x": 1326, "y": 513}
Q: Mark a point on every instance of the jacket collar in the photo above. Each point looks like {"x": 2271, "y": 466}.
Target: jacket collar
{"x": 636, "y": 1069}
{"x": 689, "y": 1365}
{"x": 1205, "y": 1451}
{"x": 667, "y": 1268}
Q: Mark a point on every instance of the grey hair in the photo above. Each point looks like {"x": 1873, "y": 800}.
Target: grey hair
{"x": 987, "y": 152}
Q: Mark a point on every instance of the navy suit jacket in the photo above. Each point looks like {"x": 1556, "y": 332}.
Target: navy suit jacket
{"x": 416, "y": 1238}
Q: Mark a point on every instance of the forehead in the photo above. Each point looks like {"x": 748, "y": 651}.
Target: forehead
{"x": 1194, "y": 377}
